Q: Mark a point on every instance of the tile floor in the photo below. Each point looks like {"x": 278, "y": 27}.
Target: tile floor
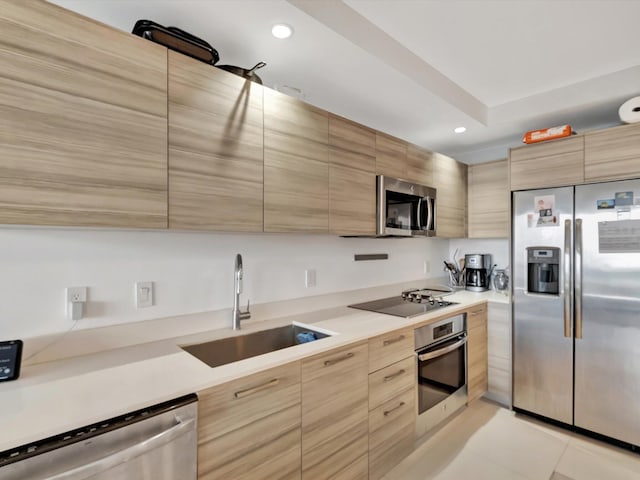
{"x": 488, "y": 442}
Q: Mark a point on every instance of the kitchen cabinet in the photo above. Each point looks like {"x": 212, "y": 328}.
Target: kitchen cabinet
{"x": 477, "y": 367}
{"x": 450, "y": 180}
{"x": 296, "y": 168}
{"x": 215, "y": 148}
{"x": 499, "y": 353}
{"x": 547, "y": 164}
{"x": 612, "y": 154}
{"x": 83, "y": 121}
{"x": 392, "y": 400}
{"x": 352, "y": 178}
{"x": 391, "y": 156}
{"x": 489, "y": 200}
{"x": 419, "y": 165}
{"x": 335, "y": 414}
{"x": 249, "y": 428}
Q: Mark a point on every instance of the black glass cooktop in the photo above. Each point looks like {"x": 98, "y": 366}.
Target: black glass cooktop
{"x": 401, "y": 307}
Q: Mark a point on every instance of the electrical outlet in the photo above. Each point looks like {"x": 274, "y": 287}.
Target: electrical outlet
{"x": 426, "y": 268}
{"x": 144, "y": 294}
{"x": 76, "y": 294}
{"x": 310, "y": 278}
{"x": 76, "y": 297}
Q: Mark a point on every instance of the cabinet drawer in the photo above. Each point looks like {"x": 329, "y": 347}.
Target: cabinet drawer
{"x": 250, "y": 427}
{"x": 390, "y": 348}
{"x": 391, "y": 433}
{"x": 390, "y": 381}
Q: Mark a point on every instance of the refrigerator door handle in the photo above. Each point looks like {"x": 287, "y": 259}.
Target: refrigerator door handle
{"x": 578, "y": 278}
{"x": 567, "y": 278}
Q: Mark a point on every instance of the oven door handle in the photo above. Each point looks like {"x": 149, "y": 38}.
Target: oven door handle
{"x": 442, "y": 351}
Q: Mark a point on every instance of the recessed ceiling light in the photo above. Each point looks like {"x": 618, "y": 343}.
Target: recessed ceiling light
{"x": 460, "y": 129}
{"x": 281, "y": 30}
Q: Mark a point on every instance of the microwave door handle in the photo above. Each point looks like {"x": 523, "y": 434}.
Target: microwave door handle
{"x": 430, "y": 224}
{"x": 419, "y": 213}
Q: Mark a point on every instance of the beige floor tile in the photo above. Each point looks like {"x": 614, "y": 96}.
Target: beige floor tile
{"x": 519, "y": 446}
{"x": 582, "y": 464}
{"x": 471, "y": 465}
{"x": 623, "y": 458}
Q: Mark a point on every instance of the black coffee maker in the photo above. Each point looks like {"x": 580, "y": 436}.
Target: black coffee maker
{"x": 477, "y": 272}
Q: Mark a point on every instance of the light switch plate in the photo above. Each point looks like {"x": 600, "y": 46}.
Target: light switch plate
{"x": 144, "y": 294}
{"x": 310, "y": 278}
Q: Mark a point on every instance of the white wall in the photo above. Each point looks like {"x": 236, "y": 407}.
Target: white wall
{"x": 497, "y": 247}
{"x": 192, "y": 272}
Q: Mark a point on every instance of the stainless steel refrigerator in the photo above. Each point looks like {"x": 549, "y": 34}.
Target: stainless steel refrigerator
{"x": 576, "y": 306}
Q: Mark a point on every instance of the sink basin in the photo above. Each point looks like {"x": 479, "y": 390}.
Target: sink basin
{"x": 232, "y": 349}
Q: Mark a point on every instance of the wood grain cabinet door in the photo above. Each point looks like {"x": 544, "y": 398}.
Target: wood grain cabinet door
{"x": 249, "y": 428}
{"x": 391, "y": 156}
{"x": 296, "y": 165}
{"x": 612, "y": 154}
{"x": 215, "y": 148}
{"x": 489, "y": 200}
{"x": 547, "y": 164}
{"x": 450, "y": 179}
{"x": 83, "y": 121}
{"x": 477, "y": 360}
{"x": 352, "y": 178}
{"x": 419, "y": 165}
{"x": 335, "y": 414}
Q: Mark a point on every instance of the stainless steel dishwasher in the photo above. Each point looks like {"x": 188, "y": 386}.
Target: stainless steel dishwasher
{"x": 155, "y": 443}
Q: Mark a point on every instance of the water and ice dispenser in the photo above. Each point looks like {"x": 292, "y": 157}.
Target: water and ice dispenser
{"x": 543, "y": 267}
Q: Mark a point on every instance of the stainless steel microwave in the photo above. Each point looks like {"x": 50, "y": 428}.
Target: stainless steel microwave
{"x": 405, "y": 209}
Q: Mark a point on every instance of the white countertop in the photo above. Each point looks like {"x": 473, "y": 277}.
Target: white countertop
{"x": 54, "y": 397}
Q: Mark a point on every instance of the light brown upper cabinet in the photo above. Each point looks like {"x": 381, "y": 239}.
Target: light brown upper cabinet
{"x": 547, "y": 164}
{"x": 612, "y": 154}
{"x": 83, "y": 121}
{"x": 391, "y": 156}
{"x": 215, "y": 148}
{"x": 296, "y": 166}
{"x": 352, "y": 178}
{"x": 419, "y": 165}
{"x": 450, "y": 180}
{"x": 489, "y": 200}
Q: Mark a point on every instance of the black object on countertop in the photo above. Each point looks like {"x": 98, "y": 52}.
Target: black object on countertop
{"x": 177, "y": 40}
{"x": 10, "y": 359}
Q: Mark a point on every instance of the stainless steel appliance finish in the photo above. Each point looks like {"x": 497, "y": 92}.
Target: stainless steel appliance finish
{"x": 576, "y": 357}
{"x": 158, "y": 443}
{"x": 477, "y": 272}
{"x": 441, "y": 351}
{"x": 236, "y": 313}
{"x": 405, "y": 209}
{"x": 231, "y": 349}
{"x": 410, "y": 303}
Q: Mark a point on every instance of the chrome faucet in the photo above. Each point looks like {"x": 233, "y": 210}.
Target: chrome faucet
{"x": 237, "y": 288}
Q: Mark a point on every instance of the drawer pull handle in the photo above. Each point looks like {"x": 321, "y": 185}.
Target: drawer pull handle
{"x": 389, "y": 412}
{"x": 394, "y": 375}
{"x": 252, "y": 390}
{"x": 477, "y": 312}
{"x": 392, "y": 341}
{"x": 333, "y": 361}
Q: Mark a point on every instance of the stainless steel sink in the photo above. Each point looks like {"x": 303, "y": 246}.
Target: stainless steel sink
{"x": 232, "y": 349}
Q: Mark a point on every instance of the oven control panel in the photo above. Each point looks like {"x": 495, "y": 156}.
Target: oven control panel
{"x": 435, "y": 332}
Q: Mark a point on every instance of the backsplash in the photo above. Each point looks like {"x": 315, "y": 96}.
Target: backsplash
{"x": 192, "y": 272}
{"x": 497, "y": 247}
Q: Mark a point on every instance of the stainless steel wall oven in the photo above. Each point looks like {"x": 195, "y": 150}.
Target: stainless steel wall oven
{"x": 441, "y": 351}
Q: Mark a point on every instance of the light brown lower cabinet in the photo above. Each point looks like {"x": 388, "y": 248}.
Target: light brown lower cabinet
{"x": 335, "y": 414}
{"x": 391, "y": 433}
{"x": 250, "y": 428}
{"x": 477, "y": 365}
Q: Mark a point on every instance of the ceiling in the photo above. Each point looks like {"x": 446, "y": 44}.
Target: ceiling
{"x": 417, "y": 69}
